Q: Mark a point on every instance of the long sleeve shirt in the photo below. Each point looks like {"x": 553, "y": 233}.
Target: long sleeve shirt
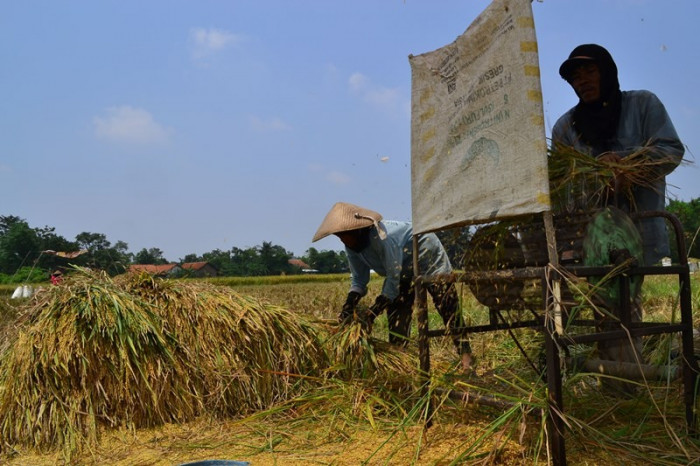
{"x": 392, "y": 258}
{"x": 644, "y": 123}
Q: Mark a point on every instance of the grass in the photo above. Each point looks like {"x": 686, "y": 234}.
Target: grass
{"x": 346, "y": 416}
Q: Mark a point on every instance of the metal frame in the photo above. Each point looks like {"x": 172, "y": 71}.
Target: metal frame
{"x": 555, "y": 338}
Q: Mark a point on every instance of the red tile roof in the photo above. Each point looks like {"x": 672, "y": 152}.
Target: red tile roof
{"x": 194, "y": 265}
{"x": 152, "y": 269}
{"x": 299, "y": 263}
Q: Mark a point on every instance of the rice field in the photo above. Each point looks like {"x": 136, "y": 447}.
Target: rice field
{"x": 139, "y": 371}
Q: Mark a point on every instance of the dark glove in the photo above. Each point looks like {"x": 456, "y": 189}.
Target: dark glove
{"x": 346, "y": 314}
{"x": 381, "y": 303}
{"x": 367, "y": 317}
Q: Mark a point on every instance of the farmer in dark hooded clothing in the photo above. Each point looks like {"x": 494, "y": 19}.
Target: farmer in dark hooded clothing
{"x": 610, "y": 125}
{"x": 620, "y": 128}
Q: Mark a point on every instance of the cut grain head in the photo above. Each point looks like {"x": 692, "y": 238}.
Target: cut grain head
{"x": 579, "y": 181}
{"x": 355, "y": 354}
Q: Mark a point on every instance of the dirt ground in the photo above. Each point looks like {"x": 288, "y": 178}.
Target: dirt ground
{"x": 197, "y": 441}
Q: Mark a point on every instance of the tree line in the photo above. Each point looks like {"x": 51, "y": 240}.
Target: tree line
{"x": 27, "y": 254}
{"x": 689, "y": 215}
{"x": 25, "y": 251}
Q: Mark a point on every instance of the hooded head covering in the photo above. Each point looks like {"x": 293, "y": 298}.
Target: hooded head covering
{"x": 347, "y": 217}
{"x": 596, "y": 122}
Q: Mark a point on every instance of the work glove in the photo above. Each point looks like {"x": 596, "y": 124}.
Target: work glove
{"x": 346, "y": 314}
{"x": 367, "y": 317}
{"x": 381, "y": 303}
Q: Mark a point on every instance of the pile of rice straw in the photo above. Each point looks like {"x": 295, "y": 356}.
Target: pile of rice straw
{"x": 96, "y": 352}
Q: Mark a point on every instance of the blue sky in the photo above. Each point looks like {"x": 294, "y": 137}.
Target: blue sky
{"x": 200, "y": 125}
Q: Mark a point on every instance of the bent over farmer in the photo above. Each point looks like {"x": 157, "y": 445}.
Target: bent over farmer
{"x": 386, "y": 246}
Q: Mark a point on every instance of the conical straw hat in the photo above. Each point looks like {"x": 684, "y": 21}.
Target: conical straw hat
{"x": 346, "y": 217}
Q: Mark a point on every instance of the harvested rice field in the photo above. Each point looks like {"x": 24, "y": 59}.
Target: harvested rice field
{"x": 139, "y": 371}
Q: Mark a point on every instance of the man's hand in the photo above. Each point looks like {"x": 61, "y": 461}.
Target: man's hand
{"x": 610, "y": 157}
{"x": 346, "y": 314}
{"x": 621, "y": 181}
{"x": 381, "y": 303}
{"x": 367, "y": 316}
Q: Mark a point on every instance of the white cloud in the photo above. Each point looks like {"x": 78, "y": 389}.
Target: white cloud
{"x": 129, "y": 124}
{"x": 266, "y": 126}
{"x": 358, "y": 82}
{"x": 206, "y": 42}
{"x": 331, "y": 70}
{"x": 334, "y": 177}
{"x": 337, "y": 177}
{"x": 384, "y": 98}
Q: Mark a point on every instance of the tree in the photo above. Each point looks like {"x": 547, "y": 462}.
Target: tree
{"x": 689, "y": 215}
{"x": 244, "y": 263}
{"x": 92, "y": 241}
{"x": 101, "y": 254}
{"x": 274, "y": 259}
{"x": 150, "y": 256}
{"x": 6, "y": 221}
{"x": 17, "y": 239}
{"x": 50, "y": 241}
{"x": 19, "y": 246}
{"x": 218, "y": 258}
{"x": 326, "y": 261}
{"x": 191, "y": 258}
{"x": 267, "y": 259}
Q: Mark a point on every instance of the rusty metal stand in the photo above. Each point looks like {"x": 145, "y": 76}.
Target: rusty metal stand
{"x": 554, "y": 322}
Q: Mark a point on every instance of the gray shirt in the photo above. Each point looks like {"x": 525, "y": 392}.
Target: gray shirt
{"x": 644, "y": 123}
{"x": 392, "y": 258}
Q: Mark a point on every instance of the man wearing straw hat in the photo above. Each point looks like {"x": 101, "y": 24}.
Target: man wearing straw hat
{"x": 386, "y": 247}
{"x": 630, "y": 132}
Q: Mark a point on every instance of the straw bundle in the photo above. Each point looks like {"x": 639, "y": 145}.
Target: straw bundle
{"x": 95, "y": 352}
{"x": 356, "y": 354}
{"x": 579, "y": 181}
{"x": 239, "y": 354}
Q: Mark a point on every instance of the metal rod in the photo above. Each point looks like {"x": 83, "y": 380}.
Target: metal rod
{"x": 555, "y": 424}
{"x": 421, "y": 302}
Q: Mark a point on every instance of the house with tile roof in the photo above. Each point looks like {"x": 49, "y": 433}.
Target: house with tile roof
{"x": 199, "y": 269}
{"x": 161, "y": 270}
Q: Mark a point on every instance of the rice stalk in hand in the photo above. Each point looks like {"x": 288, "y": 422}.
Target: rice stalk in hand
{"x": 579, "y": 181}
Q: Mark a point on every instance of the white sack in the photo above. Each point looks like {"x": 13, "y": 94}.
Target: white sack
{"x": 478, "y": 147}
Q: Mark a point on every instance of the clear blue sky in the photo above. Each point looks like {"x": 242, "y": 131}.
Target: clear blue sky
{"x": 196, "y": 125}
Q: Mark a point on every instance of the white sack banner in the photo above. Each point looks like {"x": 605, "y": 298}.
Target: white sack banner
{"x": 478, "y": 146}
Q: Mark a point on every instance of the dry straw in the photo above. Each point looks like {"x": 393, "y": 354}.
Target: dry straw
{"x": 581, "y": 182}
{"x": 356, "y": 354}
{"x": 137, "y": 352}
